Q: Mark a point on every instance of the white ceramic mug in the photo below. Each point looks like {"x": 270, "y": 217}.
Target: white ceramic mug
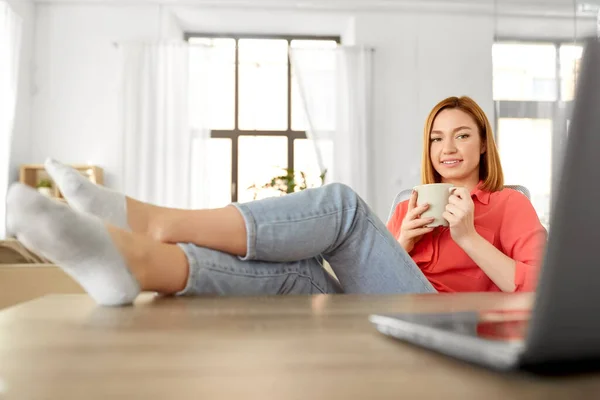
{"x": 436, "y": 195}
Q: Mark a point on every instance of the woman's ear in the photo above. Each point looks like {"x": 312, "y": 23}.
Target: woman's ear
{"x": 482, "y": 150}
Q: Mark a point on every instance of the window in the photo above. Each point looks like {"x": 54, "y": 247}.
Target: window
{"x": 257, "y": 125}
{"x": 533, "y": 85}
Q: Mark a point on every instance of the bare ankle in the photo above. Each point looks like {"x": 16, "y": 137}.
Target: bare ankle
{"x": 160, "y": 228}
{"x": 140, "y": 215}
{"x": 135, "y": 251}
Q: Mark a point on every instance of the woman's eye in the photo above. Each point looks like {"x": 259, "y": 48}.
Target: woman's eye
{"x": 435, "y": 139}
{"x": 463, "y": 136}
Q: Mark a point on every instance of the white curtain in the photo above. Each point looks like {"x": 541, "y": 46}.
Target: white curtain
{"x": 10, "y": 47}
{"x": 207, "y": 63}
{"x": 336, "y": 87}
{"x": 156, "y": 130}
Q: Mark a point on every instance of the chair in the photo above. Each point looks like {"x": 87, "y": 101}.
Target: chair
{"x": 405, "y": 194}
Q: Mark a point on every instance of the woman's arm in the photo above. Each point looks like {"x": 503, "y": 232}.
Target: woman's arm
{"x": 522, "y": 238}
{"x": 497, "y": 266}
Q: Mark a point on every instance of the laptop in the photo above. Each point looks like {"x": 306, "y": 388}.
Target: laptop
{"x": 562, "y": 331}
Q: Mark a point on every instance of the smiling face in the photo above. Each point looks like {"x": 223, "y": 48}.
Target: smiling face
{"x": 456, "y": 148}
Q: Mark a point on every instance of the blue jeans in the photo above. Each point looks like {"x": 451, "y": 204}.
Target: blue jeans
{"x": 288, "y": 238}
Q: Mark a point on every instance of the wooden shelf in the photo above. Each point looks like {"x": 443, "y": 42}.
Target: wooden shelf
{"x": 32, "y": 174}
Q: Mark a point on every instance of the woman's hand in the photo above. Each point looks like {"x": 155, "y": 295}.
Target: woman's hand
{"x": 459, "y": 214}
{"x": 413, "y": 226}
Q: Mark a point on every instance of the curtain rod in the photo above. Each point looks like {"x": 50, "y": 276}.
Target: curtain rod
{"x": 118, "y": 44}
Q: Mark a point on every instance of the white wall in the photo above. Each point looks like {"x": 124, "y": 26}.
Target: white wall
{"x": 20, "y": 149}
{"x": 550, "y": 28}
{"x": 282, "y": 22}
{"x": 170, "y": 27}
{"x": 420, "y": 58}
{"x": 75, "y": 107}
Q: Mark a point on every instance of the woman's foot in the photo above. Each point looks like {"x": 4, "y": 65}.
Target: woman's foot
{"x": 83, "y": 195}
{"x": 79, "y": 243}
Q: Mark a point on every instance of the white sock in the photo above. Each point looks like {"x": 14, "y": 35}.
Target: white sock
{"x": 77, "y": 242}
{"x": 88, "y": 197}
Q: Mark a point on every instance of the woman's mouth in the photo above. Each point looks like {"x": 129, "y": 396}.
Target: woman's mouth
{"x": 451, "y": 163}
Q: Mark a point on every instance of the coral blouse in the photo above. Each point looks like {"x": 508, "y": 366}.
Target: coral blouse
{"x": 506, "y": 219}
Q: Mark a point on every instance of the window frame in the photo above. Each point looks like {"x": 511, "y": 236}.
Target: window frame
{"x": 235, "y": 134}
{"x": 559, "y": 111}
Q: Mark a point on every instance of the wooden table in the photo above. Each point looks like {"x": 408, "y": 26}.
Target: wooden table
{"x": 24, "y": 282}
{"x": 319, "y": 347}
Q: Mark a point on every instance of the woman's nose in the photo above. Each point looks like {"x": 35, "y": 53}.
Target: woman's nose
{"x": 449, "y": 147}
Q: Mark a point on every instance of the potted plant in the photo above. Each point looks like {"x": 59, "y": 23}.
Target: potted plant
{"x": 289, "y": 182}
{"x": 44, "y": 186}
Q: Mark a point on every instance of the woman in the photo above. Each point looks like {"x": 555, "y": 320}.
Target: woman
{"x": 495, "y": 240}
{"x": 116, "y": 246}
